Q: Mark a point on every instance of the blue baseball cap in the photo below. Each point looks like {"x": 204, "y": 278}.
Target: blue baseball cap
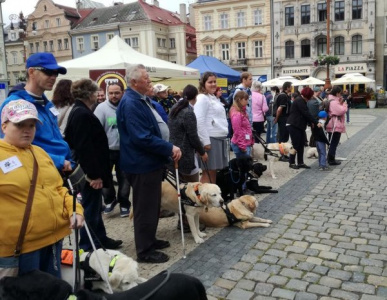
{"x": 45, "y": 60}
{"x": 322, "y": 114}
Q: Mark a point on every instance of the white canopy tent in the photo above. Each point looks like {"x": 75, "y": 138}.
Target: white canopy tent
{"x": 279, "y": 81}
{"x": 353, "y": 78}
{"x": 311, "y": 81}
{"x": 117, "y": 54}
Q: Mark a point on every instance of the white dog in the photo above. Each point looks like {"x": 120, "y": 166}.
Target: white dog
{"x": 122, "y": 275}
{"x": 312, "y": 152}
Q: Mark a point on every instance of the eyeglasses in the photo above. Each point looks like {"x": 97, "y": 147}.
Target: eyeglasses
{"x": 47, "y": 72}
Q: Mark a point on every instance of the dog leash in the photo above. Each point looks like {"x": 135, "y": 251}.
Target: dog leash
{"x": 151, "y": 293}
{"x": 206, "y": 169}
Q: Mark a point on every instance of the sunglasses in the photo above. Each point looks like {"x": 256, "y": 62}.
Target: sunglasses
{"x": 47, "y": 72}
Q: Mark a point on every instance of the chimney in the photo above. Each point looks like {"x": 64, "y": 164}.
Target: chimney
{"x": 183, "y": 12}
{"x": 79, "y": 4}
{"x": 156, "y": 3}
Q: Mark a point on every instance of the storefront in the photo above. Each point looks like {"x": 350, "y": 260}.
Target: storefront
{"x": 300, "y": 72}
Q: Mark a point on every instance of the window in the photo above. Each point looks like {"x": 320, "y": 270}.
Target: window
{"x": 258, "y": 49}
{"x": 339, "y": 45}
{"x": 31, "y": 47}
{"x": 51, "y": 43}
{"x": 357, "y": 44}
{"x": 46, "y": 24}
{"x": 80, "y": 44}
{"x": 289, "y": 16}
{"x": 208, "y": 50}
{"x": 305, "y": 14}
{"x": 322, "y": 11}
{"x": 207, "y": 22}
{"x": 109, "y": 36}
{"x": 14, "y": 57}
{"x": 305, "y": 48}
{"x": 59, "y": 44}
{"x": 161, "y": 43}
{"x": 225, "y": 51}
{"x": 13, "y": 36}
{"x": 132, "y": 42}
{"x": 45, "y": 49}
{"x": 258, "y": 17}
{"x": 58, "y": 22}
{"x": 189, "y": 44}
{"x": 34, "y": 26}
{"x": 37, "y": 46}
{"x": 339, "y": 11}
{"x": 66, "y": 44}
{"x": 94, "y": 42}
{"x": 241, "y": 49}
{"x": 322, "y": 46}
{"x": 241, "y": 19}
{"x": 357, "y": 9}
{"x": 289, "y": 49}
{"x": 224, "y": 21}
{"x": 172, "y": 43}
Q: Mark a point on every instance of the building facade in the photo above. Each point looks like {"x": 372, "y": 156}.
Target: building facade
{"x": 235, "y": 32}
{"x": 300, "y": 37}
{"x": 381, "y": 43}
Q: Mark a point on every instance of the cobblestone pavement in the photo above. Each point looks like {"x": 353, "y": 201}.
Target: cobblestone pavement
{"x": 328, "y": 239}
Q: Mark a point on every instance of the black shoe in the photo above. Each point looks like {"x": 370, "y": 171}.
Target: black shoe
{"x": 303, "y": 166}
{"x": 112, "y": 244}
{"x": 284, "y": 158}
{"x": 334, "y": 163}
{"x": 293, "y": 166}
{"x": 160, "y": 244}
{"x": 153, "y": 257}
{"x": 166, "y": 214}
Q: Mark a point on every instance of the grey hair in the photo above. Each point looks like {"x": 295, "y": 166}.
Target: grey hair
{"x": 133, "y": 72}
{"x": 256, "y": 86}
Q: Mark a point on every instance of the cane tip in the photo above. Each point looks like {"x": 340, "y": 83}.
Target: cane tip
{"x": 184, "y": 256}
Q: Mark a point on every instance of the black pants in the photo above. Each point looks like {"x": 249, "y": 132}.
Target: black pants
{"x": 283, "y": 136}
{"x": 334, "y": 142}
{"x": 259, "y": 129}
{"x": 298, "y": 140}
{"x": 146, "y": 208}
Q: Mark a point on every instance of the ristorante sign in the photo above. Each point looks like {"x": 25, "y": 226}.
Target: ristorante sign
{"x": 351, "y": 68}
{"x": 299, "y": 71}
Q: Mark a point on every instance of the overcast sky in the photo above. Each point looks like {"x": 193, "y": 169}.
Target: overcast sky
{"x": 27, "y": 6}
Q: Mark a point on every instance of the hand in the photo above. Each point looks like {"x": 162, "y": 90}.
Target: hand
{"x": 67, "y": 166}
{"x": 319, "y": 125}
{"x": 96, "y": 183}
{"x": 176, "y": 153}
{"x": 204, "y": 157}
{"x": 77, "y": 220}
{"x": 207, "y": 147}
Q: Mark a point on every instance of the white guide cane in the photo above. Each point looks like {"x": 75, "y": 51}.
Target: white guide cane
{"x": 333, "y": 131}
{"x": 180, "y": 211}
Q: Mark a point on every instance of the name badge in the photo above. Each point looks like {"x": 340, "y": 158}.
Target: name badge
{"x": 54, "y": 111}
{"x": 10, "y": 164}
{"x": 247, "y": 136}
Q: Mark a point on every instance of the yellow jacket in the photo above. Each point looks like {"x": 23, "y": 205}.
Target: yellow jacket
{"x": 52, "y": 205}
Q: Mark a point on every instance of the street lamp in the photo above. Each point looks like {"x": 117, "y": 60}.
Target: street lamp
{"x": 328, "y": 80}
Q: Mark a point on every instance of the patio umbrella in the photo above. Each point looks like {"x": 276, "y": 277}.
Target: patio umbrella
{"x": 279, "y": 81}
{"x": 352, "y": 78}
{"x": 311, "y": 81}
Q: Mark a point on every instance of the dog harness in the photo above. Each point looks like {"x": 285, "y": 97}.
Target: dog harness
{"x": 186, "y": 200}
{"x": 281, "y": 149}
{"x": 112, "y": 264}
{"x": 230, "y": 216}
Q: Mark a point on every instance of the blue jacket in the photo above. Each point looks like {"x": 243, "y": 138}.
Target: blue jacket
{"x": 47, "y": 135}
{"x": 142, "y": 150}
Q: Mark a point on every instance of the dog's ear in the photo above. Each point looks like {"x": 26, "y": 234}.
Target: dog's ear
{"x": 204, "y": 196}
{"x": 115, "y": 280}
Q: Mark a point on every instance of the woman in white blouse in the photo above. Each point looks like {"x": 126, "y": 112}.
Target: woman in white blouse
{"x": 212, "y": 127}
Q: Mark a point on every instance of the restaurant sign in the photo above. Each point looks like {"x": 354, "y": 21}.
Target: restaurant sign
{"x": 298, "y": 71}
{"x": 351, "y": 68}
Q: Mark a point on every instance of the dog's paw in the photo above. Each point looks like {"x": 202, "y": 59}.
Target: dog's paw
{"x": 269, "y": 221}
{"x": 266, "y": 224}
{"x": 202, "y": 234}
{"x": 199, "y": 240}
{"x": 273, "y": 176}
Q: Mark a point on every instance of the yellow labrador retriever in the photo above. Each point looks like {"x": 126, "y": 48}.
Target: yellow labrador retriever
{"x": 277, "y": 149}
{"x": 239, "y": 212}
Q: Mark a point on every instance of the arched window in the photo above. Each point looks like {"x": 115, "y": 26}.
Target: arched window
{"x": 321, "y": 46}
{"x": 289, "y": 49}
{"x": 305, "y": 48}
{"x": 339, "y": 45}
{"x": 357, "y": 44}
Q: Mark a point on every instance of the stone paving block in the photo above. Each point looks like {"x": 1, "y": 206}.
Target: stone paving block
{"x": 298, "y": 257}
{"x": 277, "y": 253}
{"x": 301, "y": 244}
{"x": 341, "y": 238}
{"x": 305, "y": 296}
{"x": 243, "y": 266}
{"x": 371, "y": 262}
{"x": 238, "y": 294}
{"x": 338, "y": 250}
{"x": 320, "y": 247}
{"x": 305, "y": 266}
{"x": 328, "y": 242}
{"x": 260, "y": 266}
{"x": 257, "y": 275}
{"x": 293, "y": 236}
{"x": 358, "y": 277}
{"x": 294, "y": 249}
{"x": 263, "y": 289}
{"x": 273, "y": 235}
{"x": 344, "y": 295}
{"x": 211, "y": 298}
{"x": 346, "y": 245}
{"x": 324, "y": 235}
{"x": 217, "y": 292}
{"x": 264, "y": 298}
{"x": 377, "y": 280}
{"x": 311, "y": 252}
{"x": 347, "y": 259}
{"x": 336, "y": 231}
{"x": 353, "y": 268}
{"x": 291, "y": 273}
{"x": 283, "y": 294}
{"x": 371, "y": 297}
{"x": 360, "y": 241}
{"x": 273, "y": 269}
{"x": 318, "y": 289}
{"x": 269, "y": 259}
{"x": 370, "y": 236}
{"x": 247, "y": 285}
{"x": 312, "y": 239}
{"x": 248, "y": 258}
{"x": 284, "y": 241}
{"x": 382, "y": 257}
{"x": 321, "y": 270}
{"x": 295, "y": 284}
{"x": 339, "y": 274}
{"x": 328, "y": 298}
{"x": 382, "y": 291}
{"x": 224, "y": 283}
{"x": 328, "y": 255}
{"x": 356, "y": 253}
{"x": 332, "y": 264}
{"x": 233, "y": 275}
{"x": 330, "y": 282}
{"x": 262, "y": 246}
{"x": 278, "y": 246}
{"x": 278, "y": 280}
{"x": 311, "y": 277}
{"x": 358, "y": 287}
{"x": 373, "y": 270}
{"x": 314, "y": 260}
{"x": 367, "y": 248}
{"x": 287, "y": 262}
{"x": 290, "y": 217}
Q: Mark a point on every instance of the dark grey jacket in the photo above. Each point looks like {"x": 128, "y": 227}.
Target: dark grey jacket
{"x": 184, "y": 134}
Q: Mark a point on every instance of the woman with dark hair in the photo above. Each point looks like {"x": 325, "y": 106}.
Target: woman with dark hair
{"x": 299, "y": 118}
{"x": 271, "y": 128}
{"x": 212, "y": 127}
{"x": 184, "y": 134}
{"x": 63, "y": 101}
{"x": 336, "y": 124}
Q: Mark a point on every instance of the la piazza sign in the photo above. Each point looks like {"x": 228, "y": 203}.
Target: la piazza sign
{"x": 351, "y": 68}
{"x": 299, "y": 71}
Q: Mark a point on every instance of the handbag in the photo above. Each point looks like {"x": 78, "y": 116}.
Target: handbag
{"x": 77, "y": 179}
{"x": 10, "y": 265}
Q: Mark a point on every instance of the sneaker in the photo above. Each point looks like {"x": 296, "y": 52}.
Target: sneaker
{"x": 112, "y": 244}
{"x": 324, "y": 169}
{"x": 124, "y": 212}
{"x": 110, "y": 207}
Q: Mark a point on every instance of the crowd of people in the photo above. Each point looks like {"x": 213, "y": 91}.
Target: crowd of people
{"x": 135, "y": 133}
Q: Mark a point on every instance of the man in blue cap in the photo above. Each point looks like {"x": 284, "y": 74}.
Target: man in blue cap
{"x": 42, "y": 72}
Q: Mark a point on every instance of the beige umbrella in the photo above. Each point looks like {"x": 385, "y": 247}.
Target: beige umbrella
{"x": 279, "y": 81}
{"x": 311, "y": 81}
{"x": 352, "y": 78}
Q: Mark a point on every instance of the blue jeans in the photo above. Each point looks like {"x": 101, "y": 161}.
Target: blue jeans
{"x": 271, "y": 130}
{"x": 47, "y": 259}
{"x": 347, "y": 113}
{"x": 322, "y": 154}
{"x": 238, "y": 152}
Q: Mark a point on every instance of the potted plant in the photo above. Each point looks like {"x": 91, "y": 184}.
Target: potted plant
{"x": 371, "y": 99}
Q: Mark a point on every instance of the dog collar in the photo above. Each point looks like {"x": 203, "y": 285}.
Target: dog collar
{"x": 112, "y": 264}
{"x": 185, "y": 199}
{"x": 281, "y": 148}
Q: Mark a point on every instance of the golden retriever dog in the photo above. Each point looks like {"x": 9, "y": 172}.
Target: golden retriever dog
{"x": 312, "y": 152}
{"x": 239, "y": 212}
{"x": 202, "y": 196}
{"x": 122, "y": 275}
{"x": 276, "y": 149}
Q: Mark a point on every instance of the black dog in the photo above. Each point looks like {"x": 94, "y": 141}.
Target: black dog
{"x": 252, "y": 180}
{"x": 232, "y": 178}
